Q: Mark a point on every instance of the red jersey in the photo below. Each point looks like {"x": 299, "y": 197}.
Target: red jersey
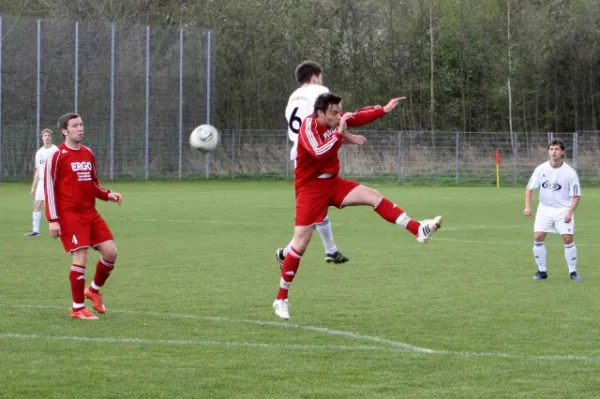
{"x": 318, "y": 144}
{"x": 71, "y": 182}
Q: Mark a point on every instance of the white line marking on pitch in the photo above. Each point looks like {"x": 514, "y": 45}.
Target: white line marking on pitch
{"x": 396, "y": 345}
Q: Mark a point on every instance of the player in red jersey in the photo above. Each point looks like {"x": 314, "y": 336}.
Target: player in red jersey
{"x": 318, "y": 185}
{"x": 71, "y": 189}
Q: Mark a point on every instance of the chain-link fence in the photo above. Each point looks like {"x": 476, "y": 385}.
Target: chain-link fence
{"x": 139, "y": 89}
{"x": 415, "y": 157}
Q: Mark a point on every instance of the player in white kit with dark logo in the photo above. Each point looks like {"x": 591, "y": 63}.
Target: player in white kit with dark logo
{"x": 37, "y": 188}
{"x": 560, "y": 193}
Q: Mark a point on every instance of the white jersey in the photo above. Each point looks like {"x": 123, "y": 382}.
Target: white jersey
{"x": 300, "y": 105}
{"x": 557, "y": 186}
{"x": 40, "y": 160}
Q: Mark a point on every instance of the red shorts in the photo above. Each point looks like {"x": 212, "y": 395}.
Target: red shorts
{"x": 79, "y": 231}
{"x": 314, "y": 198}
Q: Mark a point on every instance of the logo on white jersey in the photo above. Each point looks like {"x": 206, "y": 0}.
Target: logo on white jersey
{"x": 552, "y": 186}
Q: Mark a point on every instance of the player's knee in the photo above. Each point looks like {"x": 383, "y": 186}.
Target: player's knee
{"x": 37, "y": 205}
{"x": 539, "y": 237}
{"x": 567, "y": 239}
{"x": 80, "y": 257}
{"x": 110, "y": 255}
{"x": 301, "y": 239}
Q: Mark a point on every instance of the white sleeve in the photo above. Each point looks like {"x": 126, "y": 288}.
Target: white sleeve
{"x": 534, "y": 181}
{"x": 38, "y": 157}
{"x": 574, "y": 186}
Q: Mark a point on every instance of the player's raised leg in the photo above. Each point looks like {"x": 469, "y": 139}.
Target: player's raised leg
{"x": 363, "y": 195}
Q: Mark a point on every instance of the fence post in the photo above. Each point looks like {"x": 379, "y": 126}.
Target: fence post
{"x": 287, "y": 157}
{"x": 1, "y": 98}
{"x": 399, "y": 156}
{"x": 233, "y": 160}
{"x": 112, "y": 103}
{"x": 180, "y": 155}
{"x": 456, "y": 158}
{"x": 38, "y": 90}
{"x": 516, "y": 158}
{"x": 76, "y": 89}
{"x": 147, "y": 142}
{"x": 575, "y": 150}
{"x": 208, "y": 97}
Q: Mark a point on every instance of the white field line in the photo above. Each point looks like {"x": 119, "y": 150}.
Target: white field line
{"x": 392, "y": 346}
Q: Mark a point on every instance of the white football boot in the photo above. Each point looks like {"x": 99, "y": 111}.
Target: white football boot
{"x": 282, "y": 308}
{"x": 427, "y": 228}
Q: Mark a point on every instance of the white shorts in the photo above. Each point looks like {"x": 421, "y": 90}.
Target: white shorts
{"x": 552, "y": 220}
{"x": 39, "y": 191}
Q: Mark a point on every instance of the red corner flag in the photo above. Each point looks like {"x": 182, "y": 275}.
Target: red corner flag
{"x": 498, "y": 157}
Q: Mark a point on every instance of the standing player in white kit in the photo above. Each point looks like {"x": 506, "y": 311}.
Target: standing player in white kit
{"x": 560, "y": 193}
{"x": 301, "y": 104}
{"x": 37, "y": 188}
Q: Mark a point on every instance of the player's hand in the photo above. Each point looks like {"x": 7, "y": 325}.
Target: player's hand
{"x": 343, "y": 126}
{"x": 115, "y": 197}
{"x": 354, "y": 139}
{"x": 568, "y": 217}
{"x": 393, "y": 104}
{"x": 527, "y": 212}
{"x": 54, "y": 229}
{"x": 32, "y": 193}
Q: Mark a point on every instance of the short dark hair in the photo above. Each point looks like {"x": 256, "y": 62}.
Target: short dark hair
{"x": 46, "y": 130}
{"x": 63, "y": 121}
{"x": 324, "y": 100}
{"x": 306, "y": 70}
{"x": 559, "y": 143}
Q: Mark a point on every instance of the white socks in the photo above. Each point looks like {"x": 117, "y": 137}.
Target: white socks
{"x": 37, "y": 217}
{"x": 539, "y": 254}
{"x": 326, "y": 233}
{"x": 571, "y": 257}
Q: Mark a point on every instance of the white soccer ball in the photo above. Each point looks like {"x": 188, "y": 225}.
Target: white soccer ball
{"x": 204, "y": 138}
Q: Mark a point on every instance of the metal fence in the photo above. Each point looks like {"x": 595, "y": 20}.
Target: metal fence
{"x": 408, "y": 157}
{"x": 141, "y": 90}
{"x": 138, "y": 88}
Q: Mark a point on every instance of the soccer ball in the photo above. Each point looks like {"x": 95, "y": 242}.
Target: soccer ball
{"x": 204, "y": 138}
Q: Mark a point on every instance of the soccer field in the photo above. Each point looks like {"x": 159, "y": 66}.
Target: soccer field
{"x": 189, "y": 304}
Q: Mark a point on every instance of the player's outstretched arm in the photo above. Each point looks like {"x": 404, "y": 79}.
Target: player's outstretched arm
{"x": 371, "y": 113}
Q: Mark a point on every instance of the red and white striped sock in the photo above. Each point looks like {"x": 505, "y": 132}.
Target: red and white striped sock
{"x": 288, "y": 272}
{"x": 394, "y": 214}
{"x": 103, "y": 271}
{"x": 77, "y": 279}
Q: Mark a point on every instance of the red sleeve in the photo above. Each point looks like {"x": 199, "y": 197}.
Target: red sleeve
{"x": 311, "y": 139}
{"x": 365, "y": 115}
{"x": 50, "y": 177}
{"x": 101, "y": 193}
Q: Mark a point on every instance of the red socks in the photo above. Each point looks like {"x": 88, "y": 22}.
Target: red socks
{"x": 393, "y": 214}
{"x": 77, "y": 279}
{"x": 288, "y": 272}
{"x": 103, "y": 271}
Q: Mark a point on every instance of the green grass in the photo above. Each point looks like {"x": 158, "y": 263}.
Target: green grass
{"x": 189, "y": 304}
